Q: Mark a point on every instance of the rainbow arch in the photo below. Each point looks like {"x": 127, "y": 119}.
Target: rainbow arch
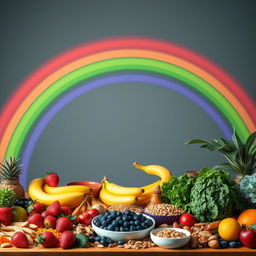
{"x": 61, "y": 74}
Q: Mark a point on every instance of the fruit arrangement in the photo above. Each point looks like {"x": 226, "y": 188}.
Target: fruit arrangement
{"x": 207, "y": 208}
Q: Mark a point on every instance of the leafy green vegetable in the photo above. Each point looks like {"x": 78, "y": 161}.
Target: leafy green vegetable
{"x": 247, "y": 187}
{"x": 81, "y": 240}
{"x": 177, "y": 191}
{"x": 240, "y": 156}
{"x": 214, "y": 195}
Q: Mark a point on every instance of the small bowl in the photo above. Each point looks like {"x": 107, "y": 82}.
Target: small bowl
{"x": 159, "y": 219}
{"x": 170, "y": 243}
{"x": 117, "y": 235}
{"x": 95, "y": 186}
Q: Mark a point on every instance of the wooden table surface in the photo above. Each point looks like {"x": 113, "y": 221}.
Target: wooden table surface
{"x": 123, "y": 252}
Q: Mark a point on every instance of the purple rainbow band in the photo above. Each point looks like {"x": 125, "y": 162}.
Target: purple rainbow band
{"x": 46, "y": 118}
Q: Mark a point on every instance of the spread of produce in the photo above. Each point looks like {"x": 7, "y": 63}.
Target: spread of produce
{"x": 208, "y": 208}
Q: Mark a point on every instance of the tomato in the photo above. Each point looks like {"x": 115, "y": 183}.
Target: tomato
{"x": 93, "y": 212}
{"x": 85, "y": 219}
{"x": 229, "y": 229}
{"x": 248, "y": 237}
{"x": 187, "y": 219}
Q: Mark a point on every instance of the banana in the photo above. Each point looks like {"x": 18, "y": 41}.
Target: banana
{"x": 109, "y": 198}
{"x": 157, "y": 170}
{"x": 66, "y": 189}
{"x": 122, "y": 191}
{"x": 36, "y": 192}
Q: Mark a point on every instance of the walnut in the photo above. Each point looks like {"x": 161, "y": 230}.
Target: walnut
{"x": 214, "y": 237}
{"x": 214, "y": 244}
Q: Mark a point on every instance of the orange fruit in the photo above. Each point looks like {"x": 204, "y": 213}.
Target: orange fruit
{"x": 229, "y": 229}
{"x": 247, "y": 217}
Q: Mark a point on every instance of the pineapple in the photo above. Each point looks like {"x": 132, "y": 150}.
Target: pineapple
{"x": 240, "y": 156}
{"x": 9, "y": 173}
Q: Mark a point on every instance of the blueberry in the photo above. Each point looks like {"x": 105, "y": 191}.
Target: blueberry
{"x": 143, "y": 225}
{"x": 137, "y": 222}
{"x": 131, "y": 222}
{"x": 116, "y": 228}
{"x": 120, "y": 242}
{"x": 223, "y": 244}
{"x": 98, "y": 238}
{"x": 122, "y": 229}
{"x": 118, "y": 218}
{"x": 232, "y": 244}
{"x": 129, "y": 218}
{"x": 139, "y": 227}
{"x": 132, "y": 228}
{"x": 104, "y": 242}
{"x": 91, "y": 239}
{"x": 143, "y": 218}
{"x": 119, "y": 213}
{"x": 104, "y": 223}
{"x": 120, "y": 222}
{"x": 127, "y": 212}
{"x": 239, "y": 243}
{"x": 126, "y": 224}
{"x": 110, "y": 227}
{"x": 139, "y": 216}
{"x": 97, "y": 224}
{"x": 126, "y": 229}
{"x": 124, "y": 218}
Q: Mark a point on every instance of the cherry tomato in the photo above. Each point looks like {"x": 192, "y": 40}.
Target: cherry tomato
{"x": 93, "y": 212}
{"x": 248, "y": 237}
{"x": 85, "y": 219}
{"x": 187, "y": 219}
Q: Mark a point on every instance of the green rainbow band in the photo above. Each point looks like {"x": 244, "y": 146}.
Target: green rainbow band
{"x": 106, "y": 66}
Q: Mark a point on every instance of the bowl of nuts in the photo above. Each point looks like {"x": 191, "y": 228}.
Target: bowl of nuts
{"x": 123, "y": 225}
{"x": 170, "y": 237}
{"x": 163, "y": 213}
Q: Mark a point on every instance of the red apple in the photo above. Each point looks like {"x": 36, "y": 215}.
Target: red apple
{"x": 248, "y": 237}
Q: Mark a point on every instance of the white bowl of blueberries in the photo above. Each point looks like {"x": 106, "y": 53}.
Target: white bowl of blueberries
{"x": 125, "y": 225}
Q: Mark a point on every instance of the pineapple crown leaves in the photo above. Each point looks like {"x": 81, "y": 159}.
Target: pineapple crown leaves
{"x": 241, "y": 156}
{"x": 10, "y": 169}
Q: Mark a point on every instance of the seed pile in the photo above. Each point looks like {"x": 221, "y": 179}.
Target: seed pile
{"x": 138, "y": 244}
{"x": 170, "y": 233}
{"x": 124, "y": 207}
{"x": 164, "y": 210}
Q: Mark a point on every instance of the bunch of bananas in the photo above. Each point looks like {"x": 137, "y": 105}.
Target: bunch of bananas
{"x": 114, "y": 194}
{"x": 66, "y": 195}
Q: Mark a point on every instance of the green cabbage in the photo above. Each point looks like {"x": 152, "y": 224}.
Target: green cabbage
{"x": 214, "y": 195}
{"x": 247, "y": 187}
{"x": 177, "y": 191}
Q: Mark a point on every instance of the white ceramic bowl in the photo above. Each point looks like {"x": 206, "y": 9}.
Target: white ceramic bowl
{"x": 170, "y": 242}
{"x": 117, "y": 235}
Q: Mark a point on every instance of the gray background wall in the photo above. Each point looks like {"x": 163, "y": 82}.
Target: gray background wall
{"x": 104, "y": 131}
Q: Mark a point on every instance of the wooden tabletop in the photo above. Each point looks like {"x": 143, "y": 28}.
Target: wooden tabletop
{"x": 123, "y": 252}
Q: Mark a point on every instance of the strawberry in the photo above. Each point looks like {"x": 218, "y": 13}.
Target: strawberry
{"x": 50, "y": 221}
{"x": 6, "y": 215}
{"x": 63, "y": 224}
{"x": 47, "y": 239}
{"x": 44, "y": 214}
{"x": 36, "y": 219}
{"x": 52, "y": 179}
{"x": 54, "y": 209}
{"x": 35, "y": 207}
{"x": 20, "y": 240}
{"x": 66, "y": 210}
{"x": 67, "y": 239}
